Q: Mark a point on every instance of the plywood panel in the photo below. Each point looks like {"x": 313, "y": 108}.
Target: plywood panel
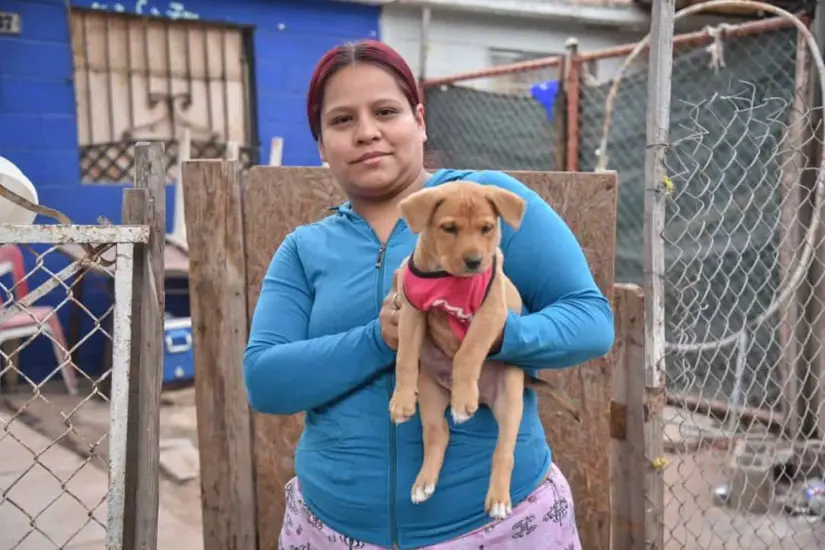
{"x": 278, "y": 199}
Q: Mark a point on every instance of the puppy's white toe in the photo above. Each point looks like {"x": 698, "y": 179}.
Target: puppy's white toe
{"x": 500, "y": 510}
{"x": 460, "y": 418}
{"x": 420, "y": 494}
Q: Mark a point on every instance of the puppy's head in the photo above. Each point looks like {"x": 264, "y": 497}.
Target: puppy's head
{"x": 458, "y": 223}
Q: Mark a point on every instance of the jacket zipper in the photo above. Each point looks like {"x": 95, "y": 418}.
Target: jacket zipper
{"x": 379, "y": 295}
{"x": 379, "y": 265}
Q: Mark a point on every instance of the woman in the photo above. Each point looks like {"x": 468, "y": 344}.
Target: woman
{"x": 323, "y": 338}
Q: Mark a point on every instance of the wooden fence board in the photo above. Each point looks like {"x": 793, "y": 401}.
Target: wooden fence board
{"x": 217, "y": 283}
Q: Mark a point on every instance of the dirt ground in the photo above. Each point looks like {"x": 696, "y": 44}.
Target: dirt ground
{"x": 693, "y": 520}
{"x": 58, "y": 499}
{"x": 85, "y": 434}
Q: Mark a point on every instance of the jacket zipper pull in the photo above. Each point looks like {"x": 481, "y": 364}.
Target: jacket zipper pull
{"x": 380, "y": 259}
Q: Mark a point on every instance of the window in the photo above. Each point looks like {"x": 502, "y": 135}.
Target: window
{"x": 142, "y": 78}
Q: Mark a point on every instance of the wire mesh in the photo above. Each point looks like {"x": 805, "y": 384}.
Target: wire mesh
{"x": 738, "y": 221}
{"x": 626, "y": 155}
{"x": 54, "y": 398}
{"x": 730, "y": 150}
{"x": 737, "y": 153}
{"x": 493, "y": 121}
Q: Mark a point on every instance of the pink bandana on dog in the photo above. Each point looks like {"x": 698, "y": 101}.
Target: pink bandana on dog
{"x": 460, "y": 297}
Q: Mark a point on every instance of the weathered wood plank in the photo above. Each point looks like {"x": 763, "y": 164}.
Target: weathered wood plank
{"x": 217, "y": 283}
{"x": 658, "y": 123}
{"x": 627, "y": 421}
{"x": 146, "y": 369}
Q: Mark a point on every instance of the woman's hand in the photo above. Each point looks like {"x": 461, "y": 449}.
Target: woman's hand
{"x": 430, "y": 352}
{"x": 388, "y": 317}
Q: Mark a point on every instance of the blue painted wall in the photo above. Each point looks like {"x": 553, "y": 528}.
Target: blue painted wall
{"x": 38, "y": 127}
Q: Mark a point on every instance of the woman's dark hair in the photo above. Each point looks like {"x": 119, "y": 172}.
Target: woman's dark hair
{"x": 373, "y": 52}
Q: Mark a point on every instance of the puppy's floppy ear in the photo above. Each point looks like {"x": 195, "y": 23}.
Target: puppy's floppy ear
{"x": 418, "y": 208}
{"x": 509, "y": 206}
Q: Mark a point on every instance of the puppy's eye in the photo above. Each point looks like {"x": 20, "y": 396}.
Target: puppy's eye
{"x": 451, "y": 229}
{"x": 486, "y": 229}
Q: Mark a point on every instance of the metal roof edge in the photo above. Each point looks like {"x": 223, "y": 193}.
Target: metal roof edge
{"x": 620, "y": 15}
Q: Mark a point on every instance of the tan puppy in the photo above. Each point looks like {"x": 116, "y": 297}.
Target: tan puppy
{"x": 457, "y": 266}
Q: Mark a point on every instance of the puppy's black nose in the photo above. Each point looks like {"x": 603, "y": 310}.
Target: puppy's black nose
{"x": 472, "y": 262}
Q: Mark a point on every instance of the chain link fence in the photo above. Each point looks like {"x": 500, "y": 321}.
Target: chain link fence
{"x": 735, "y": 230}
{"x": 731, "y": 108}
{"x": 738, "y": 239}
{"x": 744, "y": 311}
{"x": 471, "y": 124}
{"x": 491, "y": 119}
{"x": 66, "y": 491}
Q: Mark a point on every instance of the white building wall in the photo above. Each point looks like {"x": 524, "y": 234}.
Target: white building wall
{"x": 461, "y": 42}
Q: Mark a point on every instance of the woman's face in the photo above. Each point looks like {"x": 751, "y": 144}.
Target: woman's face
{"x": 371, "y": 138}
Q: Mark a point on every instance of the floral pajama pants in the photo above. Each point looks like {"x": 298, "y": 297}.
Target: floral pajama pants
{"x": 544, "y": 520}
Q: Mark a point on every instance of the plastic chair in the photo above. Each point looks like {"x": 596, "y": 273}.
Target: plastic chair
{"x": 35, "y": 319}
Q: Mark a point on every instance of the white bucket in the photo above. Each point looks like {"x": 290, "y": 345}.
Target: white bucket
{"x": 13, "y": 179}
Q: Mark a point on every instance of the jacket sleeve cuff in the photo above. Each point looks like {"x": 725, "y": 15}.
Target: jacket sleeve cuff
{"x": 386, "y": 352}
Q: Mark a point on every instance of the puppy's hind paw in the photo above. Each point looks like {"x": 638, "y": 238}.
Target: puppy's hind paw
{"x": 498, "y": 507}
{"x": 402, "y": 406}
{"x": 497, "y": 503}
{"x": 500, "y": 510}
{"x": 420, "y": 492}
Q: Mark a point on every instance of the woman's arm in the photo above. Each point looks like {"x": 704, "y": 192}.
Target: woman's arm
{"x": 569, "y": 321}
{"x": 284, "y": 371}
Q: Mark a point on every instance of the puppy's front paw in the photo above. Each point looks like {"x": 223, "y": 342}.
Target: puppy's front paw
{"x": 402, "y": 405}
{"x": 464, "y": 401}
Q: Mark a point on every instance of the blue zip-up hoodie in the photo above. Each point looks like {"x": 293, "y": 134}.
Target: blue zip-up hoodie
{"x": 315, "y": 346}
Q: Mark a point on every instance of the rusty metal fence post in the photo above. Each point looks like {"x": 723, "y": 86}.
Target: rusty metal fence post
{"x": 572, "y": 88}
